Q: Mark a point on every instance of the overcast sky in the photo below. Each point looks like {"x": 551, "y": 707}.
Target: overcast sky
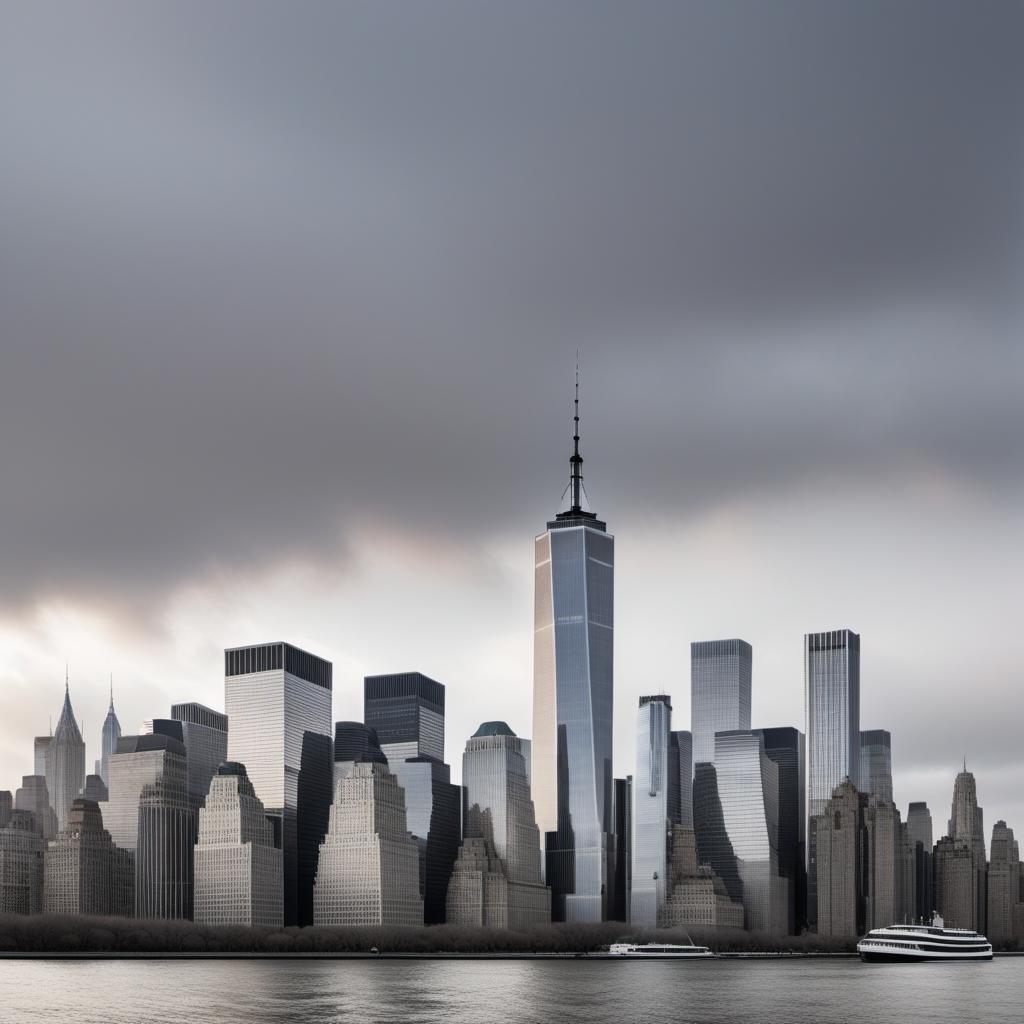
{"x": 290, "y": 298}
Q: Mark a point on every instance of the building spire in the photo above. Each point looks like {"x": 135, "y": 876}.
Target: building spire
{"x": 111, "y": 691}
{"x": 576, "y": 461}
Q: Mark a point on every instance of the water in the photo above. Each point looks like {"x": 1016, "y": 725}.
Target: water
{"x": 371, "y": 991}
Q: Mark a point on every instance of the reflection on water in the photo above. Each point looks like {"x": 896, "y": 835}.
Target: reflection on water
{"x": 240, "y": 992}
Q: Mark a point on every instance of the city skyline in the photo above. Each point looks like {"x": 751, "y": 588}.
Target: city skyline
{"x": 795, "y": 288}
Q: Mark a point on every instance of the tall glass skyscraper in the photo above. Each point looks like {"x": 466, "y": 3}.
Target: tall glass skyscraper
{"x": 651, "y": 818}
{"x": 748, "y": 786}
{"x": 876, "y": 763}
{"x": 574, "y": 579}
{"x": 785, "y": 746}
{"x": 278, "y": 702}
{"x": 720, "y": 672}
{"x": 832, "y": 715}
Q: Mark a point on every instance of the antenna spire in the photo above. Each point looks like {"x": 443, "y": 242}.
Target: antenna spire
{"x": 576, "y": 461}
{"x": 65, "y": 678}
{"x": 111, "y": 691}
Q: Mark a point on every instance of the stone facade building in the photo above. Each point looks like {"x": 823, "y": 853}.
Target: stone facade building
{"x": 368, "y": 871}
{"x": 238, "y": 870}
{"x": 697, "y": 897}
{"x": 889, "y": 866}
{"x": 960, "y": 863}
{"x": 840, "y": 863}
{"x": 1005, "y": 910}
{"x": 21, "y": 865}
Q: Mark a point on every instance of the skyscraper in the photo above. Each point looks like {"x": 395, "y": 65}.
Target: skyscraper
{"x": 651, "y": 821}
{"x": 21, "y": 864}
{"x": 720, "y": 674}
{"x": 354, "y": 741}
{"x": 406, "y": 710}
{"x": 841, "y": 868}
{"x": 238, "y": 870}
{"x": 95, "y": 789}
{"x": 697, "y": 897}
{"x": 65, "y": 762}
{"x": 622, "y": 816}
{"x": 278, "y": 703}
{"x": 889, "y": 865}
{"x": 680, "y": 768}
{"x": 108, "y": 739}
{"x": 34, "y": 797}
{"x": 498, "y": 813}
{"x": 205, "y": 735}
{"x": 748, "y": 786}
{"x": 962, "y": 858}
{"x": 574, "y": 565}
{"x": 876, "y": 764}
{"x": 832, "y": 711}
{"x": 919, "y": 833}
{"x": 40, "y": 746}
{"x": 6, "y": 807}
{"x": 368, "y": 870}
{"x": 1005, "y": 910}
{"x": 785, "y": 746}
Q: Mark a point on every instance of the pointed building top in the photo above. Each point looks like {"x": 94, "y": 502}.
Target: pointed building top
{"x": 575, "y": 488}
{"x": 67, "y": 727}
{"x": 111, "y": 691}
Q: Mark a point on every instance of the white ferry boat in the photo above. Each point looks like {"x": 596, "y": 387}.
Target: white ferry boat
{"x": 901, "y": 943}
{"x": 659, "y": 951}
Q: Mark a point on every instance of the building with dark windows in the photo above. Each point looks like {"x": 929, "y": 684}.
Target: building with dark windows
{"x": 748, "y": 787}
{"x": 876, "y": 763}
{"x": 6, "y": 807}
{"x": 406, "y": 712}
{"x": 832, "y": 719}
{"x": 622, "y": 818}
{"x": 205, "y": 735}
{"x": 652, "y": 822}
{"x": 574, "y": 574}
{"x": 720, "y": 679}
{"x": 714, "y": 847}
{"x": 353, "y": 742}
{"x": 238, "y": 869}
{"x": 33, "y": 796}
{"x": 497, "y": 876}
{"x": 842, "y": 867}
{"x": 65, "y": 762}
{"x": 785, "y": 746}
{"x": 278, "y": 703}
{"x": 680, "y": 770}
{"x": 95, "y": 789}
{"x": 697, "y": 897}
{"x": 22, "y": 850}
{"x": 919, "y": 833}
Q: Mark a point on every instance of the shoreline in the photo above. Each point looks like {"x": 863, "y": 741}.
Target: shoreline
{"x": 407, "y": 956}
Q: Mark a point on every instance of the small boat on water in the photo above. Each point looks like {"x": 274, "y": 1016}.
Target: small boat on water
{"x": 659, "y": 951}
{"x": 915, "y": 943}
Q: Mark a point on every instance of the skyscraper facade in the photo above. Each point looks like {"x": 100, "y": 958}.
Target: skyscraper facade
{"x": 368, "y": 871}
{"x": 205, "y": 735}
{"x": 80, "y": 865}
{"x": 353, "y": 742}
{"x": 109, "y": 736}
{"x": 720, "y": 682}
{"x": 238, "y": 870}
{"x": 21, "y": 865}
{"x": 65, "y": 762}
{"x": 574, "y": 573}
{"x": 6, "y": 807}
{"x": 966, "y": 832}
{"x": 748, "y": 786}
{"x": 622, "y": 817}
{"x": 278, "y": 703}
{"x": 651, "y": 821}
{"x": 1005, "y": 916}
{"x": 697, "y": 897}
{"x": 841, "y": 867}
{"x": 876, "y": 763}
{"x": 919, "y": 832}
{"x": 40, "y": 746}
{"x": 832, "y": 714}
{"x": 34, "y": 797}
{"x": 680, "y": 768}
{"x": 785, "y": 746}
{"x": 406, "y": 711}
{"x": 889, "y": 866}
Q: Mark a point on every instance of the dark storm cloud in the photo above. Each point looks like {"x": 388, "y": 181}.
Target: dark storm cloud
{"x": 269, "y": 272}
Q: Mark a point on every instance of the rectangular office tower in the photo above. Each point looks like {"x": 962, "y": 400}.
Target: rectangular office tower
{"x": 278, "y": 703}
{"x": 720, "y": 672}
{"x": 876, "y": 763}
{"x": 652, "y": 819}
{"x": 406, "y": 710}
{"x": 832, "y": 716}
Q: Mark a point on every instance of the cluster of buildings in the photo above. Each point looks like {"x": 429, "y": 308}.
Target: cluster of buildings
{"x": 270, "y": 813}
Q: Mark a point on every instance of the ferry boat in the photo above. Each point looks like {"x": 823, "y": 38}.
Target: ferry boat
{"x": 907, "y": 943}
{"x": 659, "y": 951}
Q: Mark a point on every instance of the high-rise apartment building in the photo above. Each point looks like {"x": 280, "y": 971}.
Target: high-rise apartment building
{"x": 406, "y": 711}
{"x": 21, "y": 865}
{"x": 785, "y": 746}
{"x": 65, "y": 762}
{"x": 368, "y": 871}
{"x": 841, "y": 869}
{"x": 574, "y": 579}
{"x": 109, "y": 736}
{"x": 832, "y": 715}
{"x": 919, "y": 832}
{"x": 278, "y": 703}
{"x": 83, "y": 868}
{"x": 748, "y": 786}
{"x": 720, "y": 677}
{"x": 238, "y": 871}
{"x": 876, "y": 764}
{"x": 33, "y": 796}
{"x": 650, "y": 806}
{"x": 498, "y": 872}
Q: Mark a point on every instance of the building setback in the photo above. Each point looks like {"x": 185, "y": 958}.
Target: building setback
{"x": 406, "y": 711}
{"x": 832, "y": 720}
{"x": 841, "y": 867}
{"x": 651, "y": 822}
{"x": 278, "y": 702}
{"x": 21, "y": 865}
{"x": 574, "y": 581}
{"x": 368, "y": 871}
{"x": 238, "y": 870}
{"x": 720, "y": 689}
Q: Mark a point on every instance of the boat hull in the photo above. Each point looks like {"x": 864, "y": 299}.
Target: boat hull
{"x": 918, "y": 957}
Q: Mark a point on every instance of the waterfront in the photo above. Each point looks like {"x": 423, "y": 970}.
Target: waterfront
{"x": 745, "y": 992}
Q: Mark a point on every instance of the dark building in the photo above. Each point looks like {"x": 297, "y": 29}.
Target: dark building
{"x": 95, "y": 789}
{"x": 714, "y": 847}
{"x": 622, "y": 794}
{"x": 6, "y": 807}
{"x": 405, "y": 712}
{"x": 785, "y": 746}
{"x": 680, "y": 778}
